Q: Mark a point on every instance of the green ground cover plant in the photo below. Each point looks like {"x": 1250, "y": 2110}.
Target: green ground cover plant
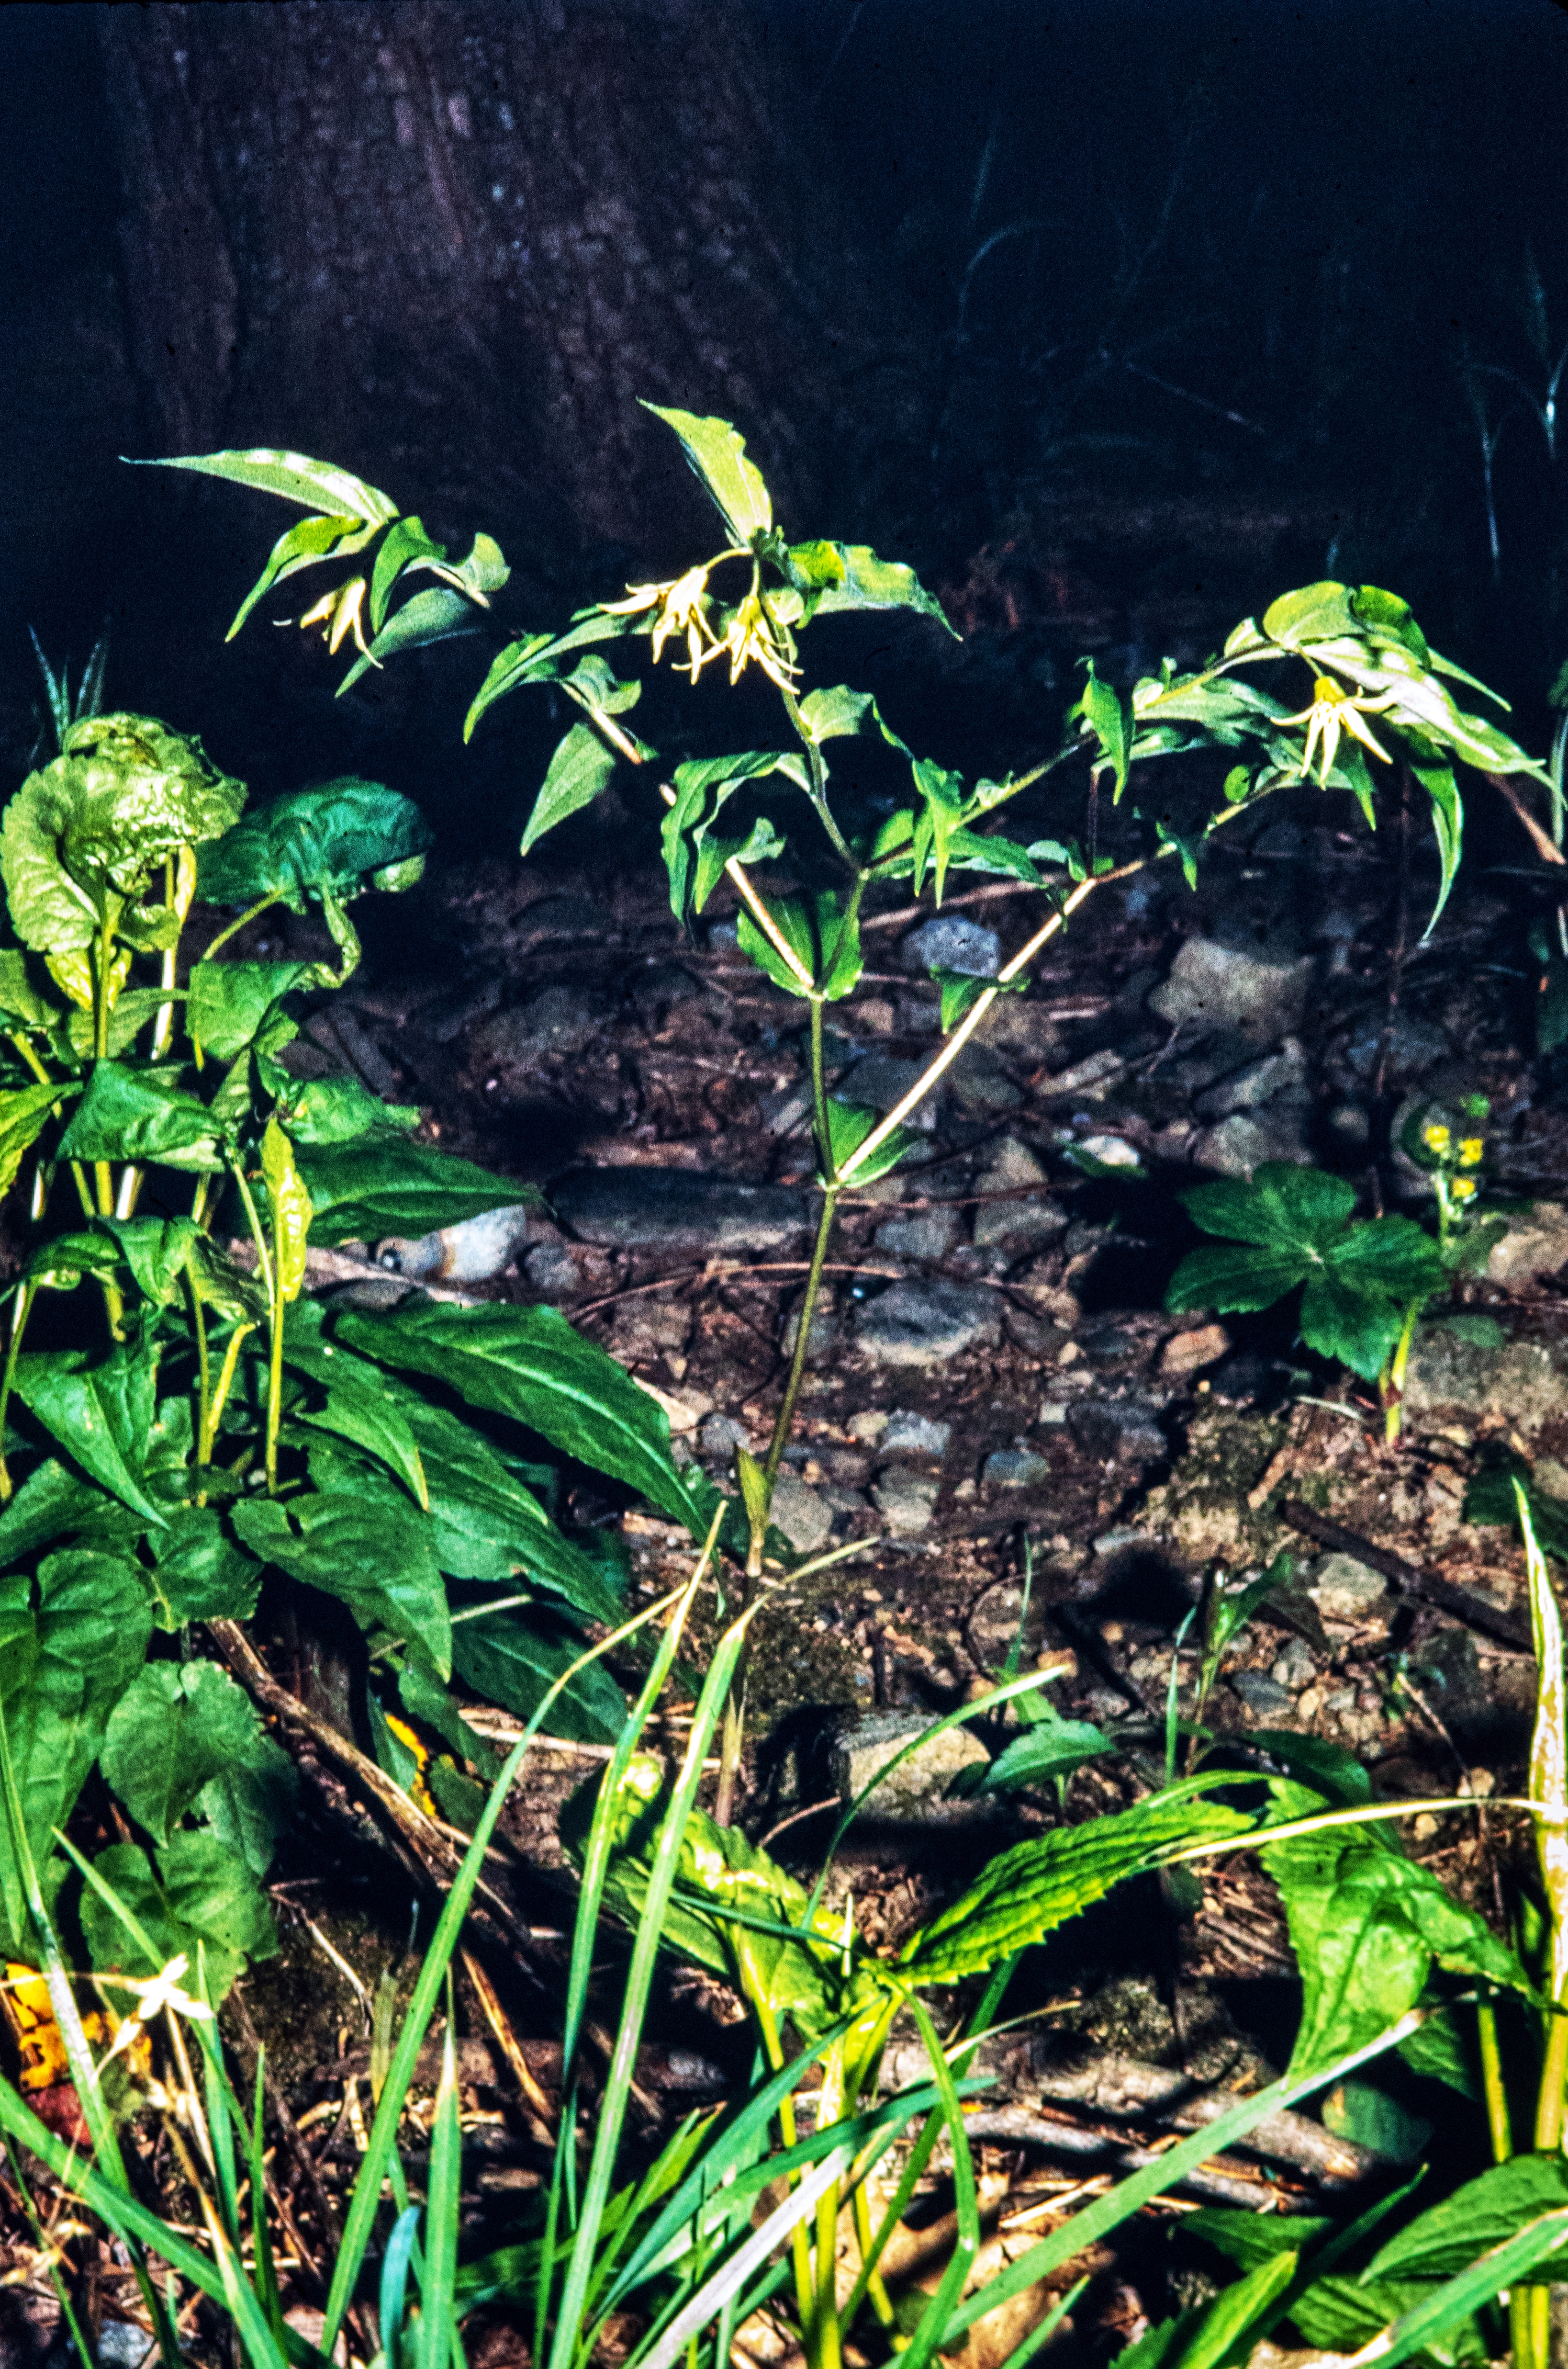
{"x": 186, "y": 1426}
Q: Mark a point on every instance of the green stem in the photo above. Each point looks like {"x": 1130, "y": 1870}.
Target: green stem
{"x": 1393, "y": 1388}
{"x": 786, "y": 1414}
{"x": 818, "y": 791}
{"x": 237, "y": 1340}
{"x": 235, "y": 927}
{"x": 164, "y": 1027}
{"x": 275, "y": 1361}
{"x": 204, "y": 1373}
{"x": 41, "y": 1074}
{"x": 1492, "y": 2083}
{"x": 25, "y": 1294}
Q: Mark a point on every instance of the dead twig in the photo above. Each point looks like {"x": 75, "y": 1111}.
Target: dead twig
{"x": 1459, "y": 1603}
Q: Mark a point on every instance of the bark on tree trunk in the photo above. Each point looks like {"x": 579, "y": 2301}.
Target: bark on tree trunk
{"x": 450, "y": 246}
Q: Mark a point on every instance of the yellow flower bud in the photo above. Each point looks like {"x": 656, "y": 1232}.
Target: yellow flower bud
{"x": 1471, "y": 1150}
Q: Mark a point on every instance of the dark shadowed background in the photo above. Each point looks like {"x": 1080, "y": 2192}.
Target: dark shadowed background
{"x": 1114, "y": 319}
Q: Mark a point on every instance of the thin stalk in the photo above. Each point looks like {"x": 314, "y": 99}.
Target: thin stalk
{"x": 235, "y": 927}
{"x": 818, "y": 792}
{"x": 275, "y": 1361}
{"x": 163, "y": 1026}
{"x": 25, "y": 1294}
{"x": 41, "y": 1074}
{"x": 204, "y": 1373}
{"x": 800, "y": 2244}
{"x": 786, "y": 1414}
{"x": 1394, "y": 1385}
{"x": 1494, "y": 2088}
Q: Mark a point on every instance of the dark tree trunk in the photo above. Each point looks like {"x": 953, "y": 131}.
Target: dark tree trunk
{"x": 450, "y": 246}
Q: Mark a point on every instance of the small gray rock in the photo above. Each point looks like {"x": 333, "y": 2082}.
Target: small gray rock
{"x": 800, "y": 1514}
{"x": 559, "y": 917}
{"x": 914, "y": 1434}
{"x": 1413, "y": 1046}
{"x": 1345, "y": 1589}
{"x": 880, "y": 1082}
{"x": 915, "y": 1793}
{"x": 1240, "y": 1144}
{"x": 1127, "y": 1429}
{"x": 1249, "y": 1088}
{"x": 924, "y": 1234}
{"x": 789, "y": 1109}
{"x": 1258, "y": 994}
{"x": 923, "y": 1324}
{"x": 1261, "y": 1694}
{"x": 1295, "y": 1667}
{"x": 950, "y": 943}
{"x": 1526, "y": 1382}
{"x": 672, "y": 1208}
{"x": 558, "y": 1020}
{"x": 978, "y": 1081}
{"x": 1025, "y": 1221}
{"x": 823, "y": 1333}
{"x": 906, "y": 1500}
{"x": 719, "y": 1435}
{"x": 552, "y": 1271}
{"x": 1014, "y": 1468}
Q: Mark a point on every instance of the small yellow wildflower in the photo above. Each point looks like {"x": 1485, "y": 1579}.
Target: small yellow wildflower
{"x": 1435, "y": 1136}
{"x": 1333, "y": 710}
{"x": 1472, "y": 1150}
{"x": 681, "y": 611}
{"x": 751, "y": 635}
{"x": 342, "y": 613}
{"x": 1462, "y": 1188}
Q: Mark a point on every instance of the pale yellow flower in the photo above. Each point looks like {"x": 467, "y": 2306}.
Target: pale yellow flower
{"x": 1435, "y": 1136}
{"x": 681, "y": 611}
{"x": 1462, "y": 1188}
{"x": 1333, "y": 710}
{"x": 152, "y": 1998}
{"x": 751, "y": 635}
{"x": 1472, "y": 1150}
{"x": 342, "y": 613}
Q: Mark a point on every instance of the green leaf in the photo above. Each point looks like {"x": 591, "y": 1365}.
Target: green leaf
{"x": 849, "y": 1126}
{"x": 380, "y": 1184}
{"x": 977, "y": 850}
{"x": 823, "y": 933}
{"x": 176, "y": 1726}
{"x": 1448, "y": 822}
{"x": 313, "y": 843}
{"x": 405, "y": 541}
{"x": 1439, "y": 2050}
{"x": 1049, "y": 1748}
{"x": 937, "y": 823}
{"x": 340, "y": 1110}
{"x": 1366, "y": 1926}
{"x": 839, "y": 713}
{"x": 1361, "y": 1328}
{"x": 489, "y": 1526}
{"x": 62, "y": 1666}
{"x": 1369, "y": 2118}
{"x": 702, "y": 787}
{"x": 21, "y": 1004}
{"x": 141, "y": 1115}
{"x": 1389, "y": 1254}
{"x": 1234, "y": 2311}
{"x": 53, "y": 1504}
{"x": 1481, "y": 2215}
{"x": 357, "y": 1410}
{"x": 717, "y": 454}
{"x": 1234, "y": 1279}
{"x": 845, "y": 576}
{"x": 1316, "y": 613}
{"x": 521, "y": 661}
{"x": 304, "y": 545}
{"x": 1107, "y": 714}
{"x": 227, "y": 1002}
{"x": 1283, "y": 1207}
{"x": 202, "y": 1896}
{"x": 528, "y": 1364}
{"x": 1025, "y": 1892}
{"x": 199, "y": 1573}
{"x": 580, "y": 769}
{"x": 1248, "y": 2238}
{"x": 315, "y": 485}
{"x": 356, "y": 1538}
{"x": 157, "y": 1250}
{"x": 24, "y": 1113}
{"x": 1327, "y": 1768}
{"x": 100, "y": 1414}
{"x": 438, "y": 614}
{"x": 512, "y": 1658}
{"x": 125, "y": 793}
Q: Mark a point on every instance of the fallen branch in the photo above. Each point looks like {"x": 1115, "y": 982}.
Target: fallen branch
{"x": 1459, "y": 1603}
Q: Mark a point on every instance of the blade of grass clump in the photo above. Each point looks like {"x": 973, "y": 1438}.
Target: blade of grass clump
{"x": 711, "y": 2296}
{"x": 360, "y": 2220}
{"x": 78, "y": 2053}
{"x": 438, "y": 2324}
{"x": 394, "y": 2276}
{"x": 639, "y": 1983}
{"x": 934, "y": 2319}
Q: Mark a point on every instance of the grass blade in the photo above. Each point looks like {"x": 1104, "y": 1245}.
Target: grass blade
{"x": 436, "y": 2325}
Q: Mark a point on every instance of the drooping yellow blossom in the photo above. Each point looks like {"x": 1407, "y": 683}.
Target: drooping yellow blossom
{"x": 752, "y": 635}
{"x": 1333, "y": 710}
{"x": 342, "y": 613}
{"x": 681, "y": 611}
{"x": 1472, "y": 1150}
{"x": 1435, "y": 1136}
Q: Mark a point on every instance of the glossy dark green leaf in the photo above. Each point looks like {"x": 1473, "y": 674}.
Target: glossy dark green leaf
{"x": 581, "y": 767}
{"x": 141, "y": 1115}
{"x": 362, "y": 1540}
{"x": 53, "y": 1504}
{"x": 425, "y": 1699}
{"x": 717, "y": 455}
{"x": 1025, "y": 1894}
{"x": 357, "y": 1411}
{"x": 1048, "y": 1749}
{"x": 436, "y": 614}
{"x": 157, "y": 1250}
{"x": 1391, "y": 1255}
{"x": 488, "y": 1525}
{"x": 1282, "y": 1208}
{"x": 823, "y": 937}
{"x": 229, "y": 1001}
{"x": 1479, "y": 2215}
{"x": 849, "y": 1126}
{"x": 1234, "y": 1279}
{"x": 199, "y": 1573}
{"x": 176, "y": 1726}
{"x": 1361, "y": 1328}
{"x": 1440, "y": 2051}
{"x": 24, "y": 1114}
{"x": 64, "y": 1661}
{"x": 1329, "y": 1768}
{"x": 1369, "y": 2118}
{"x": 100, "y": 1414}
{"x": 528, "y": 1364}
{"x": 340, "y": 1110}
{"x": 381, "y": 1185}
{"x": 307, "y": 544}
{"x": 514, "y": 1658}
{"x": 202, "y": 1895}
{"x": 327, "y": 839}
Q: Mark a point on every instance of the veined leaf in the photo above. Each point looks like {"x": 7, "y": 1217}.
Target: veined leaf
{"x": 176, "y": 1727}
{"x": 304, "y": 545}
{"x": 845, "y": 576}
{"x": 141, "y": 1115}
{"x": 836, "y": 714}
{"x": 528, "y": 1364}
{"x": 320, "y": 1111}
{"x": 1025, "y": 1892}
{"x": 378, "y": 1184}
{"x": 24, "y": 1113}
{"x": 717, "y": 455}
{"x": 312, "y": 843}
{"x": 227, "y": 1002}
{"x": 580, "y": 769}
{"x": 358, "y": 1537}
{"x": 1107, "y": 714}
{"x": 849, "y": 1126}
{"x": 512, "y": 1657}
{"x": 315, "y": 485}
{"x": 203, "y": 1898}
{"x": 100, "y": 1414}
{"x": 1483, "y": 2214}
